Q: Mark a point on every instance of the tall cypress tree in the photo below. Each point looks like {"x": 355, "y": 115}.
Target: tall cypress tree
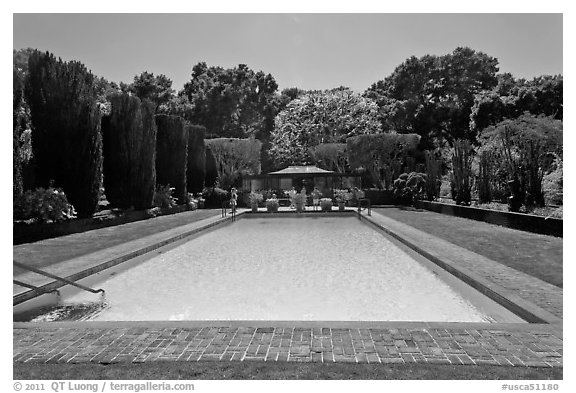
{"x": 196, "y": 170}
{"x": 129, "y": 135}
{"x": 171, "y": 154}
{"x": 66, "y": 137}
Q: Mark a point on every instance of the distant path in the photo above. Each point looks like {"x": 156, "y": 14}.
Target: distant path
{"x": 537, "y": 255}
{"x": 50, "y": 251}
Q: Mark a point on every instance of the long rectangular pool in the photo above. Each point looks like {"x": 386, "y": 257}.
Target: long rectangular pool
{"x": 287, "y": 269}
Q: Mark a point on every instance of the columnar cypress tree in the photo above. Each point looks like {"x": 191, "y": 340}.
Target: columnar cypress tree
{"x": 66, "y": 138}
{"x": 171, "y": 154}
{"x": 129, "y": 135}
{"x": 17, "y": 92}
{"x": 196, "y": 170}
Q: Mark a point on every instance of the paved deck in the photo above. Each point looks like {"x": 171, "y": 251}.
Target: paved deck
{"x": 537, "y": 345}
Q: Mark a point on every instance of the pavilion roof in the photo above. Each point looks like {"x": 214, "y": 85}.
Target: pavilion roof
{"x": 301, "y": 170}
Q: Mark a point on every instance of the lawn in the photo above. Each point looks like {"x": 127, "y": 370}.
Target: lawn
{"x": 537, "y": 255}
{"x": 259, "y": 370}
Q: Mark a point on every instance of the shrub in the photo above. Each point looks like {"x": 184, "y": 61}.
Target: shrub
{"x": 326, "y": 204}
{"x": 214, "y": 196}
{"x": 342, "y": 195}
{"x": 235, "y": 157}
{"x": 171, "y": 154}
{"x": 272, "y": 205}
{"x": 44, "y": 205}
{"x": 254, "y": 198}
{"x": 163, "y": 196}
{"x": 409, "y": 187}
{"x": 66, "y": 137}
{"x": 552, "y": 184}
{"x": 129, "y": 139}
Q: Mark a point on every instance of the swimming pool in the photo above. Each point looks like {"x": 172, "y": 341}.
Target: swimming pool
{"x": 323, "y": 268}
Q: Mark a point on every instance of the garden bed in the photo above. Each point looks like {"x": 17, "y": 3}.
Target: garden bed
{"x": 31, "y": 232}
{"x": 521, "y": 221}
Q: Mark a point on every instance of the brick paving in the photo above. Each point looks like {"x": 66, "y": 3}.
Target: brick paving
{"x": 532, "y": 345}
{"x": 451, "y": 345}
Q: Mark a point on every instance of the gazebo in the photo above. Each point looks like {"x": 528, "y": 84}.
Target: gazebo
{"x": 299, "y": 176}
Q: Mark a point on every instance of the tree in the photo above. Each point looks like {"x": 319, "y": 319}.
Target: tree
{"x": 511, "y": 98}
{"x": 66, "y": 138}
{"x": 129, "y": 136}
{"x": 147, "y": 86}
{"x": 234, "y": 157}
{"x": 320, "y": 117}
{"x": 235, "y": 102}
{"x": 196, "y": 168}
{"x": 433, "y": 95}
{"x": 171, "y": 155}
{"x": 526, "y": 147}
{"x": 382, "y": 155}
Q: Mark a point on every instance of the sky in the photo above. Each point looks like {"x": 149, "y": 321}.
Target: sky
{"x": 309, "y": 51}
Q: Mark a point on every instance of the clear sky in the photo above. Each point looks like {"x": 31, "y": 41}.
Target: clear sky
{"x": 310, "y": 51}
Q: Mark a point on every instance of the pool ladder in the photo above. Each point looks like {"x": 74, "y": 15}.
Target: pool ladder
{"x": 50, "y": 275}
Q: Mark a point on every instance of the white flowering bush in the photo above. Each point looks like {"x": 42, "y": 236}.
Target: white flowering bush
{"x": 44, "y": 205}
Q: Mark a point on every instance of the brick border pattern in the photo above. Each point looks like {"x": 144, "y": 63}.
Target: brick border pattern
{"x": 491, "y": 346}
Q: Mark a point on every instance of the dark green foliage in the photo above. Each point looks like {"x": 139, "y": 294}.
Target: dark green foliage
{"x": 462, "y": 172}
{"x": 196, "y": 169}
{"x": 66, "y": 138}
{"x": 129, "y": 136}
{"x": 171, "y": 155}
{"x": 433, "y": 175}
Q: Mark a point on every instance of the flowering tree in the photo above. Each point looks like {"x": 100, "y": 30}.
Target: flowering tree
{"x": 234, "y": 157}
{"x": 321, "y": 117}
{"x": 382, "y": 155}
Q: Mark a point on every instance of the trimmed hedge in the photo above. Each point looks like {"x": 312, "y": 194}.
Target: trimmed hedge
{"x": 211, "y": 171}
{"x": 129, "y": 136}
{"x": 66, "y": 138}
{"x": 171, "y": 154}
{"x": 196, "y": 170}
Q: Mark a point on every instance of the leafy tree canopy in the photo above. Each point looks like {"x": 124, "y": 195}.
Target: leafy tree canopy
{"x": 156, "y": 88}
{"x": 234, "y": 157}
{"x": 433, "y": 95}
{"x": 234, "y": 102}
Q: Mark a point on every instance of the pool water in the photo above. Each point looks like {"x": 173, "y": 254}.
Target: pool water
{"x": 304, "y": 269}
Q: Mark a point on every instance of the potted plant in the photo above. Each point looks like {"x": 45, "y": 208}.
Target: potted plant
{"x": 299, "y": 201}
{"x": 326, "y": 204}
{"x": 272, "y": 205}
{"x": 342, "y": 196}
{"x": 254, "y": 198}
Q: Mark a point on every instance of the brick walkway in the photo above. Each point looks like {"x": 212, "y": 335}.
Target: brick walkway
{"x": 537, "y": 345}
{"x": 507, "y": 345}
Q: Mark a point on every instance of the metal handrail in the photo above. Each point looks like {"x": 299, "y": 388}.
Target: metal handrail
{"x": 55, "y": 277}
{"x": 368, "y": 205}
{"x": 225, "y": 206}
{"x": 30, "y": 286}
